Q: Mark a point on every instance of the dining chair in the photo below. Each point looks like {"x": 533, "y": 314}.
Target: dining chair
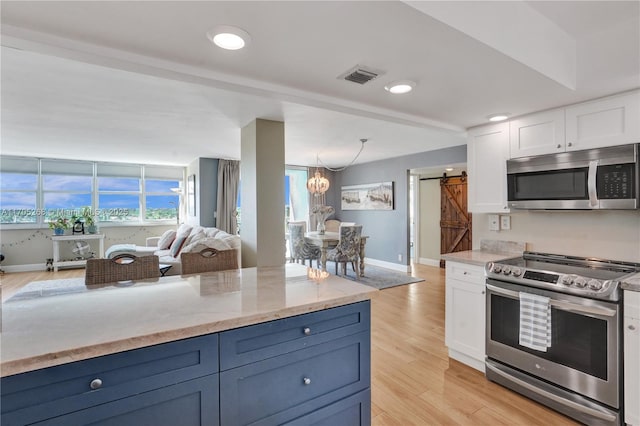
{"x": 124, "y": 267}
{"x": 208, "y": 260}
{"x": 348, "y": 248}
{"x": 300, "y": 248}
{"x": 331, "y": 225}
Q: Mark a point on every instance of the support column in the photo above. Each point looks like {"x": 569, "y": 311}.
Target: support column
{"x": 262, "y": 193}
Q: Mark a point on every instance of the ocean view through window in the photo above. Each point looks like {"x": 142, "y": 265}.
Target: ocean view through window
{"x": 33, "y": 191}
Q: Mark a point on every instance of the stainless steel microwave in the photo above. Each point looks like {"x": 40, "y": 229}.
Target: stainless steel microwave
{"x": 602, "y": 178}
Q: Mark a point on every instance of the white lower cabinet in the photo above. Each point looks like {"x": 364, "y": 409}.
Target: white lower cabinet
{"x": 465, "y": 313}
{"x": 632, "y": 358}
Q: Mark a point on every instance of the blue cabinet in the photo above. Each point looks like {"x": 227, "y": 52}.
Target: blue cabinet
{"x": 51, "y": 392}
{"x": 288, "y": 369}
{"x": 190, "y": 403}
{"x": 351, "y": 411}
{"x": 257, "y": 342}
{"x": 311, "y": 369}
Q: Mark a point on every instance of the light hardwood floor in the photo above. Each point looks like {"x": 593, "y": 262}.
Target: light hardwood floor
{"x": 413, "y": 380}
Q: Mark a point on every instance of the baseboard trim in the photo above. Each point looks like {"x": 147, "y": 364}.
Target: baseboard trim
{"x": 429, "y": 262}
{"x": 388, "y": 265}
{"x": 25, "y": 268}
{"x": 466, "y": 359}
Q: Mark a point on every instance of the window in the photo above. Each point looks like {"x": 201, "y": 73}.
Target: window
{"x": 18, "y": 190}
{"x": 296, "y": 194}
{"x": 66, "y": 187}
{"x": 119, "y": 191}
{"x": 33, "y": 191}
{"x": 162, "y": 193}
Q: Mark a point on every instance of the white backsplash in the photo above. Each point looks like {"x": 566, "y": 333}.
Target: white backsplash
{"x": 605, "y": 234}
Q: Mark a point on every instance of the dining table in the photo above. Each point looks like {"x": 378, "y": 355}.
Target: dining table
{"x": 327, "y": 240}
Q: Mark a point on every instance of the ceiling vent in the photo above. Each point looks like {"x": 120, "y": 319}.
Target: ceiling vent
{"x": 360, "y": 74}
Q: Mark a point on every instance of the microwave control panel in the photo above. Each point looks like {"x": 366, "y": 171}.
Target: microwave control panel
{"x": 616, "y": 181}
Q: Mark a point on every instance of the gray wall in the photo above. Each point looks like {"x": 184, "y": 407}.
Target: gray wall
{"x": 208, "y": 191}
{"x": 388, "y": 231}
{"x": 206, "y": 171}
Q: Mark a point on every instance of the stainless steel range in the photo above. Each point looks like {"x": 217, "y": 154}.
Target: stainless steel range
{"x": 554, "y": 332}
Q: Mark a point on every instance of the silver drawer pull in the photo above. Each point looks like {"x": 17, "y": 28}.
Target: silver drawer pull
{"x": 96, "y": 384}
{"x": 306, "y": 331}
{"x": 306, "y": 381}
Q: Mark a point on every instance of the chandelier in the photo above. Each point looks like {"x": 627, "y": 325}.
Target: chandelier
{"x": 318, "y": 184}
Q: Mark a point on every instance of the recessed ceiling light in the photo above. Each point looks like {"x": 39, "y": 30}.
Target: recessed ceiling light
{"x": 228, "y": 37}
{"x": 399, "y": 87}
{"x": 448, "y": 169}
{"x": 498, "y": 117}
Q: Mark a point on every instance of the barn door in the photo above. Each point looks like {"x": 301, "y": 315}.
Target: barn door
{"x": 455, "y": 221}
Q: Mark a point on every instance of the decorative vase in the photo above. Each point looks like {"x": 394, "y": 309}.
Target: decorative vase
{"x": 92, "y": 229}
{"x": 58, "y": 231}
{"x": 322, "y": 213}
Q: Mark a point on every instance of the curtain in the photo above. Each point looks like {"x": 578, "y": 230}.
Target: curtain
{"x": 228, "y": 179}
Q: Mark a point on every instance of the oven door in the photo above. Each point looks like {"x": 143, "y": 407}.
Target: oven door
{"x": 585, "y": 333}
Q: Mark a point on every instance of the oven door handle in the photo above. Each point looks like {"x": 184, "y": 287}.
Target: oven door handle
{"x": 553, "y": 397}
{"x": 559, "y": 304}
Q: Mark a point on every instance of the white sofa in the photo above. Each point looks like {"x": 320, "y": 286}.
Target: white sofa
{"x": 187, "y": 239}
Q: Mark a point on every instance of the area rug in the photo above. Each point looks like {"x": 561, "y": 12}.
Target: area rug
{"x": 377, "y": 277}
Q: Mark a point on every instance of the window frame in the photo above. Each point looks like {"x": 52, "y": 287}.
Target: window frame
{"x": 175, "y": 173}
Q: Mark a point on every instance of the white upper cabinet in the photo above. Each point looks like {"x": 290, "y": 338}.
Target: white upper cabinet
{"x": 604, "y": 122}
{"x": 487, "y": 154}
{"x": 536, "y": 134}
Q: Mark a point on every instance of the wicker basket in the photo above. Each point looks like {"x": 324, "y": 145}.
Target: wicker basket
{"x": 124, "y": 267}
{"x": 209, "y": 260}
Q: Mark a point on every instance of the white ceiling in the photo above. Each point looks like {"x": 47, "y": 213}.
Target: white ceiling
{"x": 140, "y": 82}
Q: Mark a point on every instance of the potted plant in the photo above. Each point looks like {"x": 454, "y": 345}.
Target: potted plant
{"x": 89, "y": 220}
{"x": 59, "y": 224}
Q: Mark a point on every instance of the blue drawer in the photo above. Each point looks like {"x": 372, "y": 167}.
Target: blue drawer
{"x": 352, "y": 411}
{"x": 273, "y": 391}
{"x": 261, "y": 341}
{"x": 191, "y": 403}
{"x": 50, "y": 392}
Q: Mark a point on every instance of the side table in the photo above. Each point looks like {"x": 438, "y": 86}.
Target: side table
{"x": 78, "y": 237}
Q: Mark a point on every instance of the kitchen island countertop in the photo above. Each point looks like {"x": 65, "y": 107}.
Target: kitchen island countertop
{"x": 63, "y": 321}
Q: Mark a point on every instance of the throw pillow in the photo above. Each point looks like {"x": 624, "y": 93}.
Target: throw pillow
{"x": 166, "y": 239}
{"x": 177, "y": 245}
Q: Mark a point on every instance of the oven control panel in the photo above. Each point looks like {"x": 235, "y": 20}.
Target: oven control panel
{"x": 568, "y": 283}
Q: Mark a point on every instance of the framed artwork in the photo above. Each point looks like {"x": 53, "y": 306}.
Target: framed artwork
{"x": 370, "y": 196}
{"x": 191, "y": 195}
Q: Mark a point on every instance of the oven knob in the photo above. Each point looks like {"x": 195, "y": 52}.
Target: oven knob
{"x": 566, "y": 280}
{"x": 580, "y": 282}
{"x": 516, "y": 272}
{"x": 497, "y": 269}
{"x": 506, "y": 270}
{"x": 595, "y": 285}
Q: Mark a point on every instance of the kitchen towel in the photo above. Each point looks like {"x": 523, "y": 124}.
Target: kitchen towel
{"x": 535, "y": 322}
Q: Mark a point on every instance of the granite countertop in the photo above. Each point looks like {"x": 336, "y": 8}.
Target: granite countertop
{"x": 56, "y": 322}
{"x": 632, "y": 283}
{"x": 490, "y": 251}
{"x": 477, "y": 257}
